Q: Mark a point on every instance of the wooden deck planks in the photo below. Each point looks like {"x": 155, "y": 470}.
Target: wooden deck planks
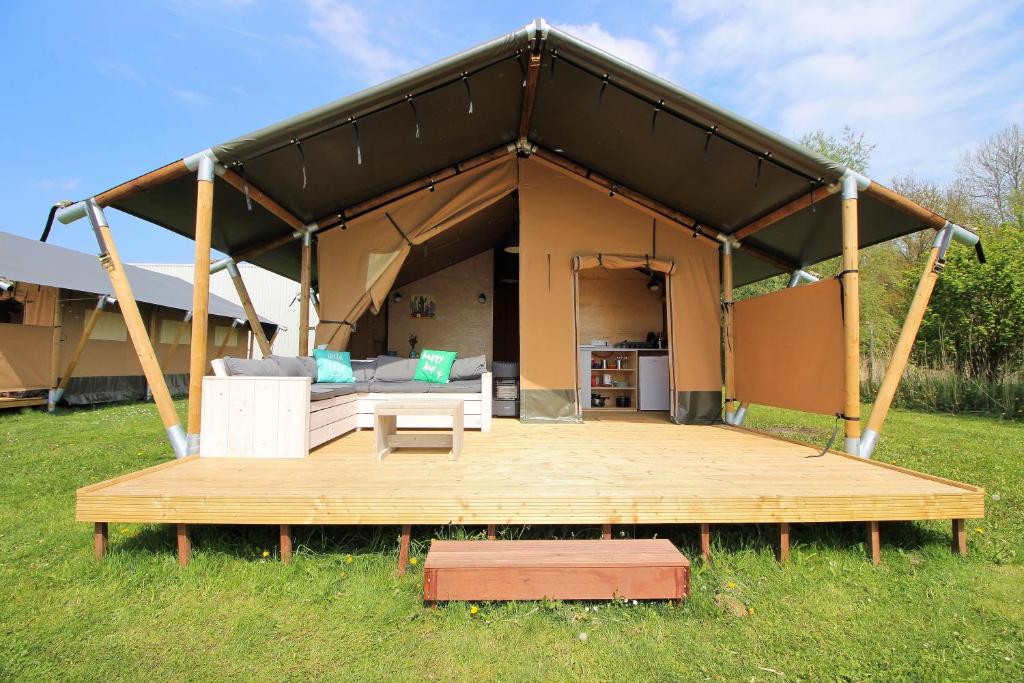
{"x": 626, "y": 471}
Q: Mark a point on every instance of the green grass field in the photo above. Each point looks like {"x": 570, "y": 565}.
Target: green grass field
{"x": 339, "y": 611}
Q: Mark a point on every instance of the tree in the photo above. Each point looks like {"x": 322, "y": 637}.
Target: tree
{"x": 848, "y": 148}
{"x": 993, "y": 175}
{"x": 976, "y": 316}
{"x": 950, "y": 201}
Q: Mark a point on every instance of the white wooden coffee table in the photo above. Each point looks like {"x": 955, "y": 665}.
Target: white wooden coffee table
{"x": 385, "y": 426}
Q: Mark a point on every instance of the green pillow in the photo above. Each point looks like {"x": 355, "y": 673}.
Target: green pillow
{"x": 333, "y": 366}
{"x": 434, "y": 366}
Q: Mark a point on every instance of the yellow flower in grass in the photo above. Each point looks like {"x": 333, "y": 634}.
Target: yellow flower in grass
{"x": 349, "y": 559}
{"x": 730, "y": 585}
{"x": 979, "y": 530}
{"x": 474, "y": 609}
{"x": 414, "y": 561}
{"x": 750, "y": 611}
{"x": 266, "y": 553}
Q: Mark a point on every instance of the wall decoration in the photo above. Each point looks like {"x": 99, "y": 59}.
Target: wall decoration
{"x": 423, "y": 306}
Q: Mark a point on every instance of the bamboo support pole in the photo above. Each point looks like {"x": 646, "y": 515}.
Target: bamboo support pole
{"x": 250, "y": 310}
{"x": 529, "y": 96}
{"x": 851, "y": 316}
{"x": 69, "y": 371}
{"x": 176, "y": 342}
{"x": 727, "y": 328}
{"x": 305, "y": 275}
{"x": 56, "y": 346}
{"x": 785, "y": 211}
{"x": 200, "y": 301}
{"x": 901, "y": 352}
{"x": 111, "y": 262}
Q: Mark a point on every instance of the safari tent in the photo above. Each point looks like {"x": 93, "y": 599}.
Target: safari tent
{"x": 62, "y": 335}
{"x": 578, "y": 166}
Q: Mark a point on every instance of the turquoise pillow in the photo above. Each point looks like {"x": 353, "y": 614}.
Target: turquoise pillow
{"x": 434, "y": 366}
{"x": 333, "y": 366}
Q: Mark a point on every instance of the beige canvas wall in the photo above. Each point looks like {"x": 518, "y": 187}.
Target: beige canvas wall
{"x": 462, "y": 324}
{"x": 616, "y": 305}
{"x": 561, "y": 217}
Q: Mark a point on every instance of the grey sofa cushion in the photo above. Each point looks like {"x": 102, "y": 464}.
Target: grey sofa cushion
{"x": 322, "y": 393}
{"x": 251, "y": 367}
{"x": 362, "y": 387}
{"x": 468, "y": 368}
{"x": 363, "y": 369}
{"x": 407, "y": 387}
{"x": 459, "y": 386}
{"x": 292, "y": 366}
{"x": 337, "y": 387}
{"x": 393, "y": 369}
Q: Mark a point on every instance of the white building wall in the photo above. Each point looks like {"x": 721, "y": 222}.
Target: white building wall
{"x": 275, "y": 298}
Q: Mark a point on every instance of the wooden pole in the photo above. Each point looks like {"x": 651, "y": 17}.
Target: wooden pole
{"x": 100, "y": 539}
{"x": 874, "y": 543}
{"x": 111, "y": 262}
{"x": 851, "y": 316}
{"x": 529, "y": 96}
{"x": 286, "y": 543}
{"x": 176, "y": 342}
{"x": 56, "y": 346}
{"x": 162, "y": 175}
{"x": 403, "y": 549}
{"x": 785, "y": 211}
{"x": 959, "y": 545}
{"x": 901, "y": 352}
{"x": 705, "y": 542}
{"x": 606, "y": 532}
{"x": 727, "y": 325}
{"x": 200, "y": 301}
{"x": 305, "y": 275}
{"x": 184, "y": 545}
{"x": 90, "y": 324}
{"x": 492, "y": 532}
{"x": 783, "y": 551}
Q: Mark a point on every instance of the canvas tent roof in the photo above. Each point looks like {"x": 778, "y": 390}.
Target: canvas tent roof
{"x": 27, "y": 260}
{"x": 589, "y": 107}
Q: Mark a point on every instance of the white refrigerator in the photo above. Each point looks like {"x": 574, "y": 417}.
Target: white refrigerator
{"x": 653, "y": 382}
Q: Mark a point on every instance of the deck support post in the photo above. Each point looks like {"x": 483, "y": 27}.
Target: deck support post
{"x": 200, "y": 299}
{"x": 403, "y": 549}
{"x": 100, "y": 540}
{"x": 905, "y": 344}
{"x": 111, "y": 262}
{"x": 184, "y": 545}
{"x": 286, "y": 543}
{"x": 850, "y": 279}
{"x": 874, "y": 543}
{"x": 65, "y": 378}
{"x": 959, "y": 545}
{"x": 606, "y": 532}
{"x": 705, "y": 543}
{"x": 492, "y": 532}
{"x": 727, "y": 327}
{"x": 305, "y": 275}
{"x": 782, "y": 554}
{"x": 250, "y": 310}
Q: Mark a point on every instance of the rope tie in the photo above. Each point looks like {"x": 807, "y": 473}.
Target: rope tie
{"x": 302, "y": 157}
{"x": 359, "y": 149}
{"x": 415, "y": 114}
{"x": 245, "y": 187}
{"x": 469, "y": 93}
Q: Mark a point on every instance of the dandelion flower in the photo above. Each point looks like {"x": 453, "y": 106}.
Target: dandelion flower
{"x": 730, "y": 585}
{"x": 266, "y": 553}
{"x": 474, "y": 609}
{"x": 583, "y": 637}
{"x": 979, "y": 530}
{"x": 750, "y": 611}
{"x": 348, "y": 559}
{"x": 124, "y": 530}
{"x": 414, "y": 561}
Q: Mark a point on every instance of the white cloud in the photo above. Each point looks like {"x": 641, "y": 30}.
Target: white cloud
{"x": 117, "y": 70}
{"x": 190, "y": 97}
{"x": 359, "y": 38}
{"x": 632, "y": 50}
{"x": 924, "y": 79}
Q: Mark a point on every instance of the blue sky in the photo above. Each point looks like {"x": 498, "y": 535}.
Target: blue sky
{"x": 98, "y": 92}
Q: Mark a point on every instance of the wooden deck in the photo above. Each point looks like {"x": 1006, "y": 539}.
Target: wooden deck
{"x": 616, "y": 469}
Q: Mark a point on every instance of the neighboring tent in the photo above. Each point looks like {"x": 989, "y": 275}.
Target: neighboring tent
{"x": 53, "y": 291}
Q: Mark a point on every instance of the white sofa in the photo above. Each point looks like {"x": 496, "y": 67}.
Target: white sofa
{"x": 273, "y": 408}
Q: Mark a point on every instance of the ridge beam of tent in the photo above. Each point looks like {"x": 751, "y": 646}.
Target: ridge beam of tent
{"x": 529, "y": 96}
{"x": 111, "y": 262}
{"x": 247, "y": 306}
{"x": 933, "y": 267}
{"x": 90, "y": 324}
